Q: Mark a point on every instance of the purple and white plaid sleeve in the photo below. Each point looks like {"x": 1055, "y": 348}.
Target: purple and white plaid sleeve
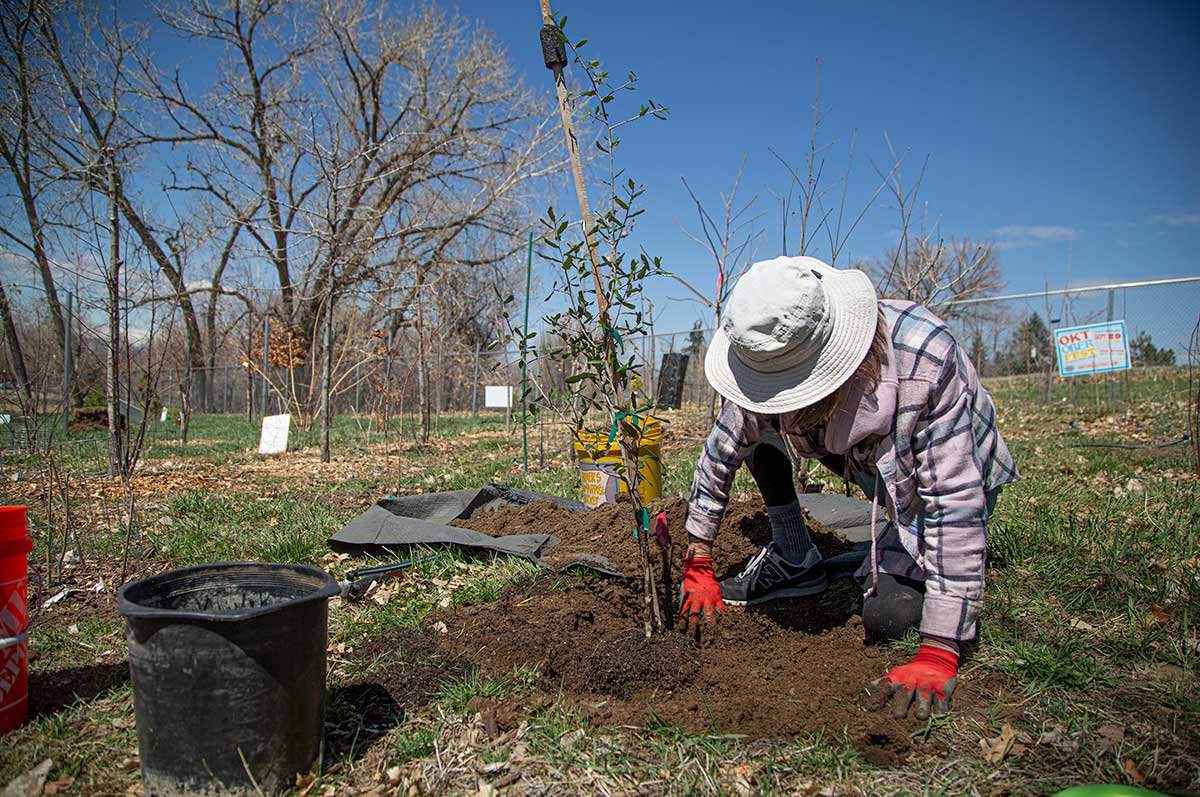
{"x": 735, "y": 432}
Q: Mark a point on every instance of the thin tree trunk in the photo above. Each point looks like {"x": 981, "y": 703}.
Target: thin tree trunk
{"x": 249, "y": 373}
{"x": 327, "y": 382}
{"x": 439, "y": 397}
{"x": 185, "y": 406}
{"x": 16, "y": 359}
{"x": 185, "y": 399}
{"x": 422, "y": 377}
{"x": 112, "y": 375}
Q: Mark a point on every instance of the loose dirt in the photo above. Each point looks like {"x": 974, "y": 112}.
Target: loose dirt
{"x": 788, "y": 668}
{"x": 608, "y": 531}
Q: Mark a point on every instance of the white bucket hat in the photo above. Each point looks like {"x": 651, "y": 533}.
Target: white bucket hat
{"x": 794, "y": 331}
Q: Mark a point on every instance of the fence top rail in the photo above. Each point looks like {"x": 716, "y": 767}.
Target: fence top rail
{"x": 1085, "y": 289}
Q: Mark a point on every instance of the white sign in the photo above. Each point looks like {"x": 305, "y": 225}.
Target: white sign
{"x": 497, "y": 396}
{"x": 274, "y": 434}
{"x": 163, "y": 418}
{"x": 1092, "y": 349}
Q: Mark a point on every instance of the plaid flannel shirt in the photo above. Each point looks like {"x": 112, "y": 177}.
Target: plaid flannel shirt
{"x": 936, "y": 466}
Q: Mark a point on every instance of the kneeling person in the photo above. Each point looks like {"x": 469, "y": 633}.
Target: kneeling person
{"x": 812, "y": 364}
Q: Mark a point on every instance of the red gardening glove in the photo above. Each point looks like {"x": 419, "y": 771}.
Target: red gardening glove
{"x": 701, "y": 592}
{"x": 929, "y": 678}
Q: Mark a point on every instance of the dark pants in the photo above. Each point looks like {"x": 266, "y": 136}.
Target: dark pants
{"x": 896, "y": 605}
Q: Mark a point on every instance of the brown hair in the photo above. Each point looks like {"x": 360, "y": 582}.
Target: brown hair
{"x": 819, "y": 414}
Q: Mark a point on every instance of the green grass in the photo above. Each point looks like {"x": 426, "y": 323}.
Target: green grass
{"x": 455, "y": 695}
{"x": 204, "y": 526}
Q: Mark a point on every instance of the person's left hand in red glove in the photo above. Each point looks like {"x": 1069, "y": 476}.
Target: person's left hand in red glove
{"x": 701, "y": 592}
{"x": 926, "y": 683}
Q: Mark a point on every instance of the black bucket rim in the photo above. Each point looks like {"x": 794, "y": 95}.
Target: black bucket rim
{"x": 129, "y": 609}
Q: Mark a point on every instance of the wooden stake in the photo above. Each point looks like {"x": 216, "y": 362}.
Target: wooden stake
{"x": 629, "y": 433}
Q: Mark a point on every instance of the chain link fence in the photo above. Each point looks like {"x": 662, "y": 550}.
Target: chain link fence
{"x": 1012, "y": 342}
{"x": 1009, "y": 338}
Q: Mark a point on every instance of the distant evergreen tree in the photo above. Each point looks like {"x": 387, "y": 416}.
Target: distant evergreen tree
{"x": 696, "y": 340}
{"x": 1142, "y": 351}
{"x": 1030, "y": 347}
{"x": 978, "y": 352}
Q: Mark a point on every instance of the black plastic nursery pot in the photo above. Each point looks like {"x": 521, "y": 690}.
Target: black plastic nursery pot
{"x": 228, "y": 669}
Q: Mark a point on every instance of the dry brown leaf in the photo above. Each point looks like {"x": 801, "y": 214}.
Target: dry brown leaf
{"x": 1081, "y": 625}
{"x": 1132, "y": 771}
{"x": 995, "y": 749}
{"x": 1111, "y": 737}
{"x": 743, "y": 780}
{"x": 58, "y": 784}
{"x": 379, "y": 594}
{"x": 29, "y": 783}
{"x": 1162, "y": 615}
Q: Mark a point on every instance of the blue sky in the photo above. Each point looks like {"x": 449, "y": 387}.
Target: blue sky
{"x": 1046, "y": 125}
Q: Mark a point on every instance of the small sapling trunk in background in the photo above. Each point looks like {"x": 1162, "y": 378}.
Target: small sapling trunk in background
{"x": 597, "y": 290}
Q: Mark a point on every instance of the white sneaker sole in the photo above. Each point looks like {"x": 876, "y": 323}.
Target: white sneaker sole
{"x": 790, "y": 592}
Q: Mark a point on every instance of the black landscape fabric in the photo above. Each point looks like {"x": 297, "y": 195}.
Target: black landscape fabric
{"x": 424, "y": 520}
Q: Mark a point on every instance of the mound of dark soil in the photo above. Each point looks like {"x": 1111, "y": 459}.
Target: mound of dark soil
{"x": 789, "y": 668}
{"x": 794, "y": 668}
{"x": 91, "y": 419}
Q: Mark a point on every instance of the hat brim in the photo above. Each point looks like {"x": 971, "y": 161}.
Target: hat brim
{"x": 855, "y": 317}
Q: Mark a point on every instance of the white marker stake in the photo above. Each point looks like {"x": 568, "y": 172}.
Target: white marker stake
{"x": 274, "y": 436}
{"x": 499, "y": 397}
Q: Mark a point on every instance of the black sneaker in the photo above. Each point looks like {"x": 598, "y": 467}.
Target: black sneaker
{"x": 768, "y": 576}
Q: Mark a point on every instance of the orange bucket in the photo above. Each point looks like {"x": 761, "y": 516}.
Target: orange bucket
{"x": 15, "y": 545}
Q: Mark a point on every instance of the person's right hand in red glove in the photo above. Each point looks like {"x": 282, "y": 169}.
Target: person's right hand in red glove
{"x": 701, "y": 592}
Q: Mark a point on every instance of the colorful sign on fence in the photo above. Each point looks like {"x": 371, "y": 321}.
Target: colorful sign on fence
{"x": 1092, "y": 348}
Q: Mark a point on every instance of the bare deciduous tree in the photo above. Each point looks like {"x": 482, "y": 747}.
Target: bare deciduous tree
{"x": 731, "y": 239}
{"x": 925, "y": 267}
{"x": 24, "y": 80}
{"x": 370, "y": 151}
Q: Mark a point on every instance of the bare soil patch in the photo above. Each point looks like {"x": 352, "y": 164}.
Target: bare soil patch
{"x": 789, "y": 668}
{"x": 607, "y": 531}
